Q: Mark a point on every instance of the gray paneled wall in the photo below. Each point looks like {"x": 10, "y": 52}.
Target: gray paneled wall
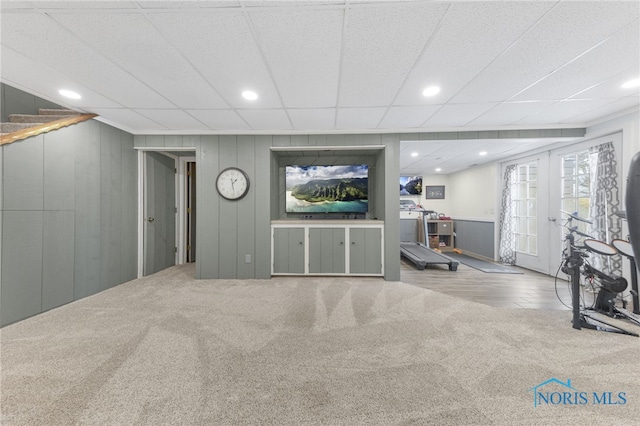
{"x": 475, "y": 237}
{"x": 229, "y": 231}
{"x": 69, "y": 203}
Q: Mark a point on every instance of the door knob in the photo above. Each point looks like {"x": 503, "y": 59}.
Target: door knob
{"x": 151, "y": 219}
{"x": 551, "y": 219}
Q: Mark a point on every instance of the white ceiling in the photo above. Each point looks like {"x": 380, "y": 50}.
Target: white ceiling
{"x": 342, "y": 66}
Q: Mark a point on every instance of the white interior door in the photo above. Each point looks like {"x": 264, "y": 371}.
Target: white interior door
{"x": 570, "y": 174}
{"x": 546, "y": 185}
{"x": 530, "y": 193}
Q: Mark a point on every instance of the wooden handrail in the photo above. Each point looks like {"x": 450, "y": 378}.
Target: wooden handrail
{"x": 19, "y": 135}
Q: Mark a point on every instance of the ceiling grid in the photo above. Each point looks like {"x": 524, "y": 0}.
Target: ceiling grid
{"x": 329, "y": 66}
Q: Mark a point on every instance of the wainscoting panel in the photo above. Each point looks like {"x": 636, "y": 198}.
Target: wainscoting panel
{"x": 475, "y": 237}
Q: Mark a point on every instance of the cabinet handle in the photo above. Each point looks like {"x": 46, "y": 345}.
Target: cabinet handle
{"x": 341, "y": 243}
{"x": 353, "y": 243}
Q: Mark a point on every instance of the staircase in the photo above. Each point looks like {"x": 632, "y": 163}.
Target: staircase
{"x": 22, "y": 126}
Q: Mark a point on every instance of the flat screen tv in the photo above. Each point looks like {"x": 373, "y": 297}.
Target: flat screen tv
{"x": 410, "y": 185}
{"x": 327, "y": 189}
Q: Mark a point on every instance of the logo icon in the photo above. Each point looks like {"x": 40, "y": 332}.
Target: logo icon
{"x": 546, "y": 396}
{"x": 556, "y": 392}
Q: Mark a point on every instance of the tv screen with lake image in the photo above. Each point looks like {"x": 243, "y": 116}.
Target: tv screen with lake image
{"x": 327, "y": 189}
{"x": 410, "y": 185}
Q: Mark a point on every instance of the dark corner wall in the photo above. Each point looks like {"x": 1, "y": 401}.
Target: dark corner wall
{"x": 68, "y": 206}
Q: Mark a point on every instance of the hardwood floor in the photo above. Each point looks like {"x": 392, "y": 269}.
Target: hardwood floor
{"x": 530, "y": 290}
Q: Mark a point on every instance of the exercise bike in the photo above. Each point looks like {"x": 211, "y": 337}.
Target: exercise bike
{"x": 574, "y": 264}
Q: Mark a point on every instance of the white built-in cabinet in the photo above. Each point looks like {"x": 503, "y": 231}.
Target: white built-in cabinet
{"x": 332, "y": 247}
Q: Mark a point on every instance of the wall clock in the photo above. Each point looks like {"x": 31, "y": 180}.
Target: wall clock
{"x": 232, "y": 184}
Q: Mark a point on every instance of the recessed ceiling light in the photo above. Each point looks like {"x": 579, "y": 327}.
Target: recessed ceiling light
{"x": 250, "y": 95}
{"x": 482, "y": 153}
{"x": 438, "y": 169}
{"x": 631, "y": 83}
{"x": 69, "y": 94}
{"x": 431, "y": 91}
{"x": 414, "y": 154}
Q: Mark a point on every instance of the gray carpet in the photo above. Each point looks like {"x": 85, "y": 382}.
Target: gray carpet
{"x": 482, "y": 265}
{"x": 169, "y": 349}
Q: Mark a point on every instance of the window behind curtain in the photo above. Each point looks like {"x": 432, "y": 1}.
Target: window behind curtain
{"x": 525, "y": 196}
{"x": 576, "y": 181}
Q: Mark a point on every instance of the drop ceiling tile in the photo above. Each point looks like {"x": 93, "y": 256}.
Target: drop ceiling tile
{"x": 127, "y": 120}
{"x": 69, "y": 56}
{"x": 567, "y": 31}
{"x": 471, "y": 35}
{"x": 359, "y": 118}
{"x": 457, "y": 115}
{"x": 45, "y": 82}
{"x": 173, "y": 4}
{"x": 453, "y": 148}
{"x": 315, "y": 36}
{"x": 230, "y": 61}
{"x": 508, "y": 112}
{"x": 421, "y": 147}
{"x": 313, "y": 119}
{"x": 409, "y": 116}
{"x": 220, "y": 119}
{"x": 628, "y": 103}
{"x": 563, "y": 110}
{"x": 140, "y": 50}
{"x": 200, "y": 55}
{"x": 5, "y": 5}
{"x": 86, "y": 4}
{"x": 289, "y": 3}
{"x": 620, "y": 51}
{"x": 612, "y": 87}
{"x": 274, "y": 119}
{"x": 381, "y": 45}
{"x": 173, "y": 119}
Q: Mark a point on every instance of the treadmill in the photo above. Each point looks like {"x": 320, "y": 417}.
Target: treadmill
{"x": 421, "y": 255}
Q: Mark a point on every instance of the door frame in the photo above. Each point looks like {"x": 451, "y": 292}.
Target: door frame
{"x": 142, "y": 173}
{"x": 181, "y": 194}
{"x": 539, "y": 262}
{"x": 555, "y": 196}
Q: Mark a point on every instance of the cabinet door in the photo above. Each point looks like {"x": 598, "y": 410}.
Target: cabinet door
{"x": 326, "y": 250}
{"x": 288, "y": 246}
{"x": 445, "y": 228}
{"x": 445, "y": 235}
{"x": 365, "y": 251}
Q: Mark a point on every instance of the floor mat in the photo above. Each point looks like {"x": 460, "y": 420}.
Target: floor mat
{"x": 482, "y": 265}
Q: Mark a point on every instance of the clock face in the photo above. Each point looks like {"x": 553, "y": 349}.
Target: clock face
{"x": 232, "y": 183}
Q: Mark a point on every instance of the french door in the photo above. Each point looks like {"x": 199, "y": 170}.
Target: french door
{"x": 572, "y": 172}
{"x": 544, "y": 186}
{"x": 528, "y": 211}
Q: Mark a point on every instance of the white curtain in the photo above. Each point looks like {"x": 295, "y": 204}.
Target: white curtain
{"x": 507, "y": 244}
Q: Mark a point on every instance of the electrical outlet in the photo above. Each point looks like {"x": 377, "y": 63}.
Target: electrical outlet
{"x": 247, "y": 258}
